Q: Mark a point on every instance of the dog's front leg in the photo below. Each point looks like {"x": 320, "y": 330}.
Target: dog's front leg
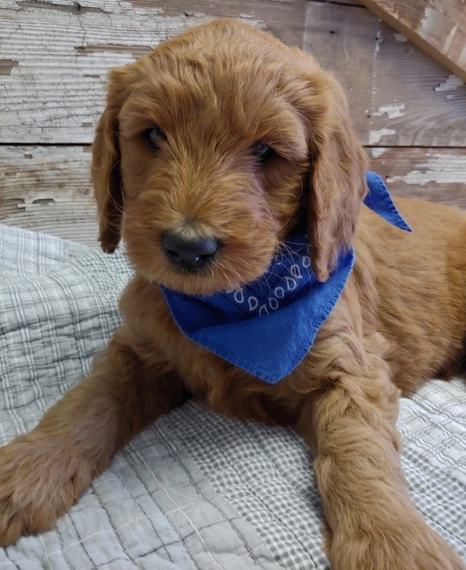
{"x": 373, "y": 523}
{"x": 42, "y": 473}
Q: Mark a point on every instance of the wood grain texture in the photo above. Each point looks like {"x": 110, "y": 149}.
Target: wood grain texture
{"x": 398, "y": 95}
{"x": 49, "y": 189}
{"x": 282, "y": 18}
{"x": 438, "y": 28}
{"x": 343, "y": 39}
{"x": 432, "y": 174}
{"x": 56, "y": 58}
{"x": 56, "y": 92}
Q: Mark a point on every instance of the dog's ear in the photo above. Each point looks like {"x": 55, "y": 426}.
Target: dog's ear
{"x": 106, "y": 175}
{"x": 337, "y": 176}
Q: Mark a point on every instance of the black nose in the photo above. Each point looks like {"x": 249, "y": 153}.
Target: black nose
{"x": 189, "y": 254}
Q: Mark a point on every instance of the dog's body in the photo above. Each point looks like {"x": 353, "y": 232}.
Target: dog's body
{"x": 183, "y": 162}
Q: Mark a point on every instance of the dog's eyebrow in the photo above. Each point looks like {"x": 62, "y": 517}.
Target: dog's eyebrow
{"x": 285, "y": 133}
{"x": 138, "y": 113}
{"x": 278, "y": 124}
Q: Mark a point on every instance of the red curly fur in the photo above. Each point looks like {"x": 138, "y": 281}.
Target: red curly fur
{"x": 214, "y": 92}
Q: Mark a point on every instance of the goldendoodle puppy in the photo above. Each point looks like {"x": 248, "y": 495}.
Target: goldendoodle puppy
{"x": 274, "y": 278}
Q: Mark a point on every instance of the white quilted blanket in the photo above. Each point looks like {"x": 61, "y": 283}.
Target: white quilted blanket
{"x": 196, "y": 490}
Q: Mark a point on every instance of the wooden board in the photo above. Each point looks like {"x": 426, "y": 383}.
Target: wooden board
{"x": 437, "y": 28}
{"x": 282, "y": 18}
{"x": 56, "y": 58}
{"x": 398, "y": 95}
{"x": 49, "y": 188}
{"x": 436, "y": 174}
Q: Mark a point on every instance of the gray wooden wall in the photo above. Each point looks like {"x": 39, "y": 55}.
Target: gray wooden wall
{"x": 408, "y": 110}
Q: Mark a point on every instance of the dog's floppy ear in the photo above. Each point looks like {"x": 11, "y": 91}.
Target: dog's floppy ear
{"x": 106, "y": 175}
{"x": 337, "y": 177}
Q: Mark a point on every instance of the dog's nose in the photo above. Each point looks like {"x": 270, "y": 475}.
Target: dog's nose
{"x": 190, "y": 254}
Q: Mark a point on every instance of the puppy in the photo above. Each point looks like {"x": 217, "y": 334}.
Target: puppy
{"x": 266, "y": 283}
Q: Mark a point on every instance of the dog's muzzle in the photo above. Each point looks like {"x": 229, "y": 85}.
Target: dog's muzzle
{"x": 189, "y": 254}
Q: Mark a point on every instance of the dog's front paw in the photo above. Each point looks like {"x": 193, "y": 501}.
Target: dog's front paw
{"x": 39, "y": 481}
{"x": 408, "y": 545}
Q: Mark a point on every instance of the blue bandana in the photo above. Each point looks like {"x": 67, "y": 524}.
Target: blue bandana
{"x": 267, "y": 327}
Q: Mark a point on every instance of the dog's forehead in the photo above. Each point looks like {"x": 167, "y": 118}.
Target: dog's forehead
{"x": 218, "y": 65}
{"x": 225, "y": 55}
{"x": 230, "y": 60}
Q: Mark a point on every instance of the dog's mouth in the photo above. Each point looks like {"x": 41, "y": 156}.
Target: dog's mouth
{"x": 200, "y": 257}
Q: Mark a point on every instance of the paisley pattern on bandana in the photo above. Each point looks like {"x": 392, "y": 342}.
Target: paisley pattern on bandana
{"x": 288, "y": 273}
{"x": 267, "y": 327}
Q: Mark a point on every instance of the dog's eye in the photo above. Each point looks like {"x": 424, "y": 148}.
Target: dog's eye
{"x": 261, "y": 151}
{"x": 154, "y": 137}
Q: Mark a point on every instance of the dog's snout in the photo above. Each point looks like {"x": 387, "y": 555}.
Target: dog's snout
{"x": 191, "y": 254}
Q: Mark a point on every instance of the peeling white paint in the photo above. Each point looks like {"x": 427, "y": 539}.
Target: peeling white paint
{"x": 249, "y": 17}
{"x": 401, "y": 38}
{"x": 378, "y": 151}
{"x": 452, "y": 83}
{"x": 58, "y": 89}
{"x": 428, "y": 22}
{"x": 378, "y": 41}
{"x": 393, "y": 111}
{"x": 451, "y": 35}
{"x": 375, "y": 136}
{"x": 439, "y": 169}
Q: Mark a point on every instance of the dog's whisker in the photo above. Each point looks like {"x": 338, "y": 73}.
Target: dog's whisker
{"x": 298, "y": 199}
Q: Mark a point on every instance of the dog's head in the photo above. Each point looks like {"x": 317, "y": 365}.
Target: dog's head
{"x": 213, "y": 148}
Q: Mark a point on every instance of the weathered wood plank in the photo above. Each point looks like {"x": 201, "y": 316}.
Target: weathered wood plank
{"x": 438, "y": 29}
{"x": 430, "y": 107}
{"x": 48, "y": 188}
{"x": 343, "y": 40}
{"x": 432, "y": 174}
{"x": 398, "y": 95}
{"x": 283, "y": 18}
{"x": 56, "y": 57}
{"x": 55, "y": 93}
